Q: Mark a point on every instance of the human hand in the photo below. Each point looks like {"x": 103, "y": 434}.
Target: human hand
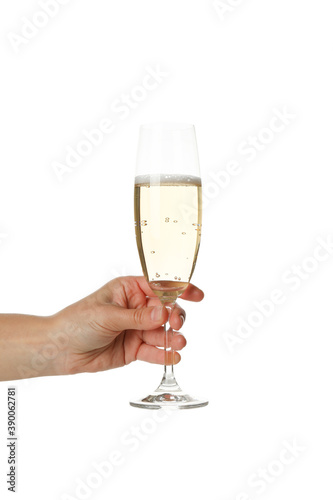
{"x": 119, "y": 323}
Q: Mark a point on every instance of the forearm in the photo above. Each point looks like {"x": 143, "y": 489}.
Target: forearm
{"x": 26, "y": 347}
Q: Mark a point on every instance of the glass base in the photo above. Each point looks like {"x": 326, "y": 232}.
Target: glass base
{"x": 167, "y": 396}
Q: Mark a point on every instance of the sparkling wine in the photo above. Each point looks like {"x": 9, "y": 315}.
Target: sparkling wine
{"x": 168, "y": 219}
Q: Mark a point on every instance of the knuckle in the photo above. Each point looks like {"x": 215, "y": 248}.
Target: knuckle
{"x": 138, "y": 316}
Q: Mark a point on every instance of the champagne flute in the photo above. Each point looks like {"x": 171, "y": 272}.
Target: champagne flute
{"x": 168, "y": 211}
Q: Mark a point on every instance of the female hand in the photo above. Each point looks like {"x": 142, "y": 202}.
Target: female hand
{"x": 119, "y": 323}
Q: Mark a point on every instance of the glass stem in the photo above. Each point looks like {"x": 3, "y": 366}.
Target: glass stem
{"x": 168, "y": 380}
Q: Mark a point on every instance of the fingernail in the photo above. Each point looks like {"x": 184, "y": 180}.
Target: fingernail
{"x": 182, "y": 317}
{"x": 156, "y": 314}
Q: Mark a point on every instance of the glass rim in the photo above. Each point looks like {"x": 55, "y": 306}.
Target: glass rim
{"x": 166, "y": 126}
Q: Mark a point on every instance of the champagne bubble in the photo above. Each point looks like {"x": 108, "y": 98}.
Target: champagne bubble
{"x": 175, "y": 221}
{"x": 153, "y": 251}
{"x": 167, "y": 219}
{"x": 183, "y": 233}
{"x": 157, "y": 275}
{"x": 179, "y": 279}
{"x": 176, "y": 278}
{"x": 166, "y": 274}
{"x": 144, "y": 223}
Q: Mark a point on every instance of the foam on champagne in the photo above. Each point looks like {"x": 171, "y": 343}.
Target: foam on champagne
{"x": 167, "y": 180}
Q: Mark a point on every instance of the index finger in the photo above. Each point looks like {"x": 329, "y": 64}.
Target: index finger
{"x": 192, "y": 293}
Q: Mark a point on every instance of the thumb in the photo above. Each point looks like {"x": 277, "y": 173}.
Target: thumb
{"x": 145, "y": 318}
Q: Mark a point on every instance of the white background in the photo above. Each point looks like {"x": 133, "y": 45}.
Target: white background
{"x": 62, "y": 240}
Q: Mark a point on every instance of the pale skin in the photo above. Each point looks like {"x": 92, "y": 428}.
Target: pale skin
{"x": 119, "y": 323}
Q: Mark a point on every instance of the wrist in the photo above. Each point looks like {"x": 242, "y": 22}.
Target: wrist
{"x": 27, "y": 346}
{"x": 53, "y": 346}
{"x": 43, "y": 352}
